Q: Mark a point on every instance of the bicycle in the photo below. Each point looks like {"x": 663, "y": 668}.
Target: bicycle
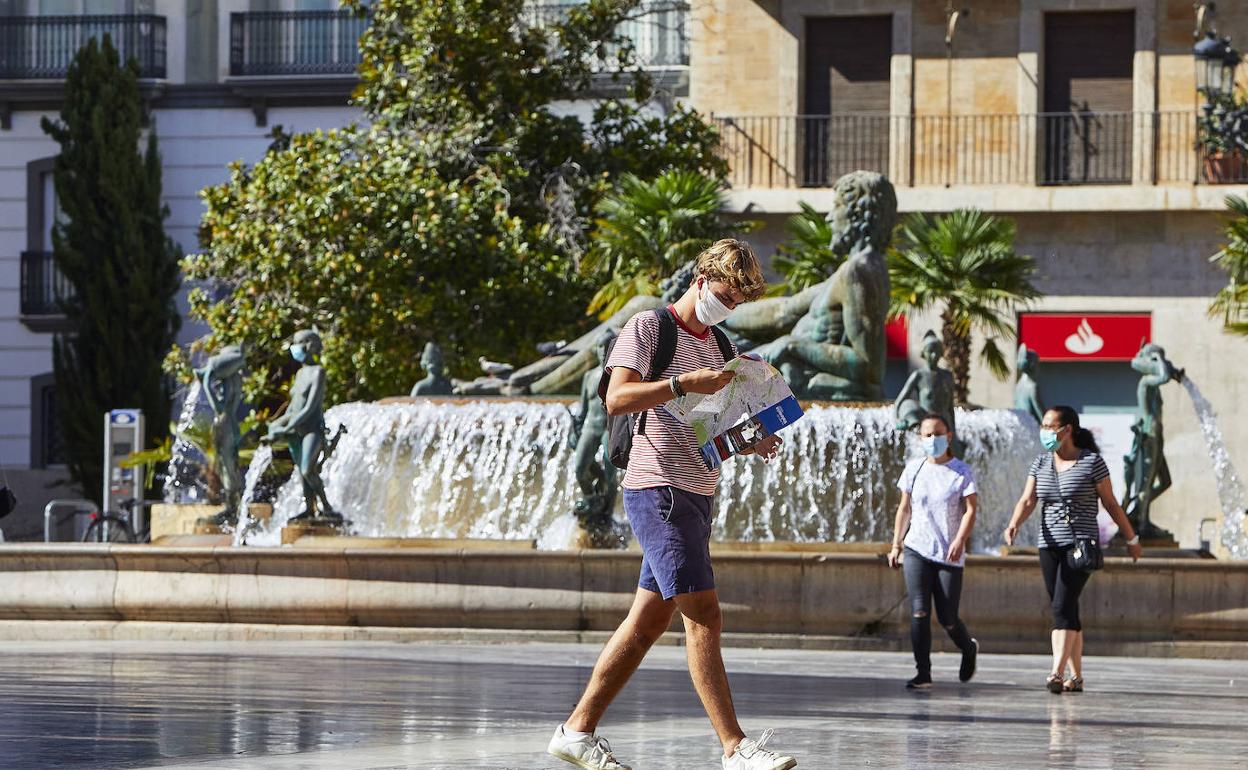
{"x": 111, "y": 527}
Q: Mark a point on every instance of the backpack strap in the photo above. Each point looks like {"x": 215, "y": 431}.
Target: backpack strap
{"x": 725, "y": 345}
{"x": 664, "y": 353}
{"x": 665, "y": 350}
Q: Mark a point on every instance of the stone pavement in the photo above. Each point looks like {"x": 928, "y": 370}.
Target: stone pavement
{"x": 351, "y": 706}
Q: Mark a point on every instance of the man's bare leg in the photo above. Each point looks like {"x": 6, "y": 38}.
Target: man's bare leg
{"x": 647, "y": 620}
{"x": 703, "y": 625}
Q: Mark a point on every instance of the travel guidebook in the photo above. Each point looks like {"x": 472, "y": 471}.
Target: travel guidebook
{"x": 758, "y": 393}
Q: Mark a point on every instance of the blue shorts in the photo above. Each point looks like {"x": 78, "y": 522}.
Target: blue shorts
{"x": 673, "y": 528}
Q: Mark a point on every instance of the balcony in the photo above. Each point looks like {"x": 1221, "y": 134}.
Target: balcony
{"x": 42, "y": 289}
{"x": 42, "y": 47}
{"x": 657, "y": 31}
{"x": 295, "y": 43}
{"x": 1043, "y": 150}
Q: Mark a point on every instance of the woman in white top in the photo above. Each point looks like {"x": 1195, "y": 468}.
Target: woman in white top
{"x": 934, "y": 522}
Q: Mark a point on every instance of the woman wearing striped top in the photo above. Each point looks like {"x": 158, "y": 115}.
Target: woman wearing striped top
{"x": 1067, "y": 480}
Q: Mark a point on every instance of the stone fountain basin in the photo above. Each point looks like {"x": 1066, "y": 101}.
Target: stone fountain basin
{"x": 1157, "y": 607}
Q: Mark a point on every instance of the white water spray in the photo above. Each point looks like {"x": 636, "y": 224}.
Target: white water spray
{"x": 1231, "y": 494}
{"x": 503, "y": 469}
{"x": 260, "y": 462}
{"x": 184, "y": 481}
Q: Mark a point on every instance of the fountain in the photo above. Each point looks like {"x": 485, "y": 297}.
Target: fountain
{"x": 507, "y": 468}
{"x": 1231, "y": 492}
{"x": 503, "y": 469}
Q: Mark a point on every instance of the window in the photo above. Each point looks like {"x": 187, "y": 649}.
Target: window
{"x": 847, "y": 94}
{"x": 41, "y": 283}
{"x": 1087, "y": 125}
{"x": 47, "y": 447}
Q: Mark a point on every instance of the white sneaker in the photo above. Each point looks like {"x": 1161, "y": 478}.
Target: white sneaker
{"x": 752, "y": 755}
{"x": 591, "y": 752}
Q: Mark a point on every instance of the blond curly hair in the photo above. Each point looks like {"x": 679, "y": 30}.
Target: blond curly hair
{"x": 732, "y": 262}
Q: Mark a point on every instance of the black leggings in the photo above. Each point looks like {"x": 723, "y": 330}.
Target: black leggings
{"x": 927, "y": 580}
{"x": 1064, "y": 586}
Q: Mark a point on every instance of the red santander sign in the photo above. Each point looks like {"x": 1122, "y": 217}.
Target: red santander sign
{"x": 1085, "y": 336}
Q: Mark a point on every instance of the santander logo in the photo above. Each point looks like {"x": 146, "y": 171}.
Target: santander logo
{"x": 1085, "y": 341}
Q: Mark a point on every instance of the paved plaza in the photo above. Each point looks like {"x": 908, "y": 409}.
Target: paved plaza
{"x": 357, "y": 706}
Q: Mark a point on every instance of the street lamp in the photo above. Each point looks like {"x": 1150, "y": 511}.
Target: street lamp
{"x": 1215, "y": 66}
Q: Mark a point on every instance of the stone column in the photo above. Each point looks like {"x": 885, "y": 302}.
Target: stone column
{"x": 901, "y": 101}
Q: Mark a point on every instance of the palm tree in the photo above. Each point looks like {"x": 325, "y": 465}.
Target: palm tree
{"x": 1231, "y": 302}
{"x": 646, "y": 230}
{"x": 964, "y": 262}
{"x": 806, "y": 258}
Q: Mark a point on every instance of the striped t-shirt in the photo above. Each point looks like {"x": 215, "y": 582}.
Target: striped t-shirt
{"x": 1068, "y": 500}
{"x": 667, "y": 454}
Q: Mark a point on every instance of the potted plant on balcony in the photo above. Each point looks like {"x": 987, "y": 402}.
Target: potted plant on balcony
{"x": 1222, "y": 138}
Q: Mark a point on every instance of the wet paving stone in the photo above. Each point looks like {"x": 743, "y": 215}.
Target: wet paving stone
{"x": 352, "y": 706}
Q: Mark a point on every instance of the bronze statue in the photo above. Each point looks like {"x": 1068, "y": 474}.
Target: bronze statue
{"x": 1027, "y": 391}
{"x": 1147, "y": 474}
{"x": 302, "y": 427}
{"x": 927, "y": 391}
{"x": 221, "y": 378}
{"x": 595, "y": 475}
{"x": 828, "y": 340}
{"x": 436, "y": 383}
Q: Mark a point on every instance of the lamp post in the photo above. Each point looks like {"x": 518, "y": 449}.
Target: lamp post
{"x": 1222, "y": 129}
{"x": 951, "y": 28}
{"x": 1216, "y": 61}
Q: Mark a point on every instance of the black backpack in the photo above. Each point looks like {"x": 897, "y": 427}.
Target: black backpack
{"x": 621, "y": 428}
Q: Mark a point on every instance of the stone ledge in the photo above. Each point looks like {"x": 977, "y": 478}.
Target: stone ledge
{"x": 512, "y": 592}
{"x": 1016, "y": 199}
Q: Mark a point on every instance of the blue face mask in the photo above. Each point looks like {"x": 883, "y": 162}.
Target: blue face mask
{"x": 1048, "y": 440}
{"x": 298, "y": 352}
{"x": 935, "y": 446}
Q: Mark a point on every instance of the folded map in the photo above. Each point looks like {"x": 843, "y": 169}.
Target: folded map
{"x": 755, "y": 405}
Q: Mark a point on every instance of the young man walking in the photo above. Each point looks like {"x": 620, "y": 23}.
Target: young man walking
{"x": 668, "y": 497}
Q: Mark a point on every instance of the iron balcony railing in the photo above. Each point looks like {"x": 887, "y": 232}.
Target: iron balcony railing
{"x": 657, "y": 30}
{"x": 42, "y": 47}
{"x": 1077, "y": 148}
{"x": 43, "y": 286}
{"x": 295, "y": 43}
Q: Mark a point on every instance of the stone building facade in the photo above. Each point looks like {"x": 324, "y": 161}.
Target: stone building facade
{"x": 1075, "y": 117}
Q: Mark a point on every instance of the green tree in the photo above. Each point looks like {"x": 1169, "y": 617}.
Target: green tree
{"x": 964, "y": 263}
{"x": 456, "y": 212}
{"x": 806, "y": 258}
{"x": 646, "y": 230}
{"x": 112, "y": 249}
{"x": 1231, "y": 302}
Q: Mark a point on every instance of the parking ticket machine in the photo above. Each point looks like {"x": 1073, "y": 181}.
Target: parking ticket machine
{"x": 123, "y": 435}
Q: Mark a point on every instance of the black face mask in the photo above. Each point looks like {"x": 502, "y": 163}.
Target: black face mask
{"x": 8, "y": 501}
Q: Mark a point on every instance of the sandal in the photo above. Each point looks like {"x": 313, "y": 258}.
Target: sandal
{"x": 1054, "y": 684}
{"x": 1073, "y": 684}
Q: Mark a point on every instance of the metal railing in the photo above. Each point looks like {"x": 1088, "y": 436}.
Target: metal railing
{"x": 42, "y": 47}
{"x": 1048, "y": 149}
{"x": 657, "y": 30}
{"x": 295, "y": 43}
{"x": 43, "y": 286}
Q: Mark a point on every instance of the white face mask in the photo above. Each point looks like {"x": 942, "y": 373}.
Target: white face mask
{"x": 710, "y": 310}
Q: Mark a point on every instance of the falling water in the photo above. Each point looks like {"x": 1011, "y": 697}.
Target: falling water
{"x": 184, "y": 481}
{"x": 503, "y": 469}
{"x": 1231, "y": 492}
{"x": 260, "y": 462}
